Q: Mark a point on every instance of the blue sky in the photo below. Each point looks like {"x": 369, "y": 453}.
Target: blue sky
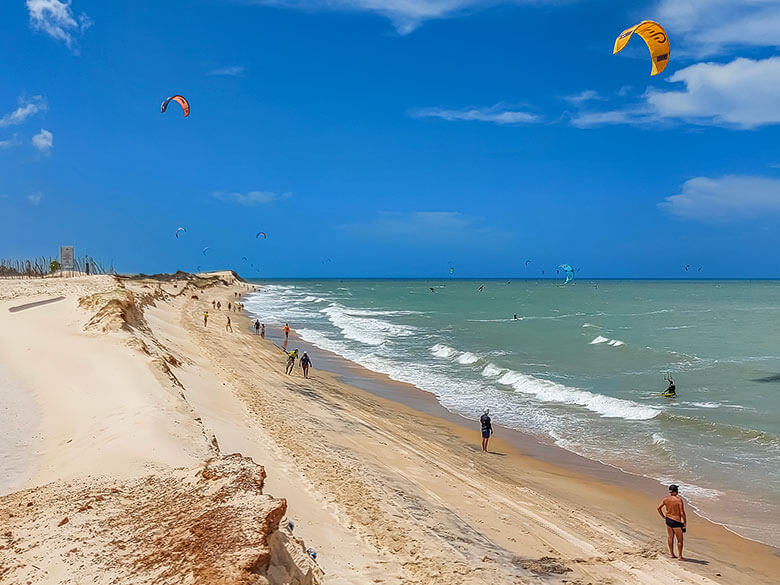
{"x": 392, "y": 136}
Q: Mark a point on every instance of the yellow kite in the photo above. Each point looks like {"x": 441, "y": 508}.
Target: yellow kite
{"x": 657, "y": 41}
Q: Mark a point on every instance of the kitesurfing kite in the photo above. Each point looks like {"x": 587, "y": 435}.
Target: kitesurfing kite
{"x": 185, "y": 105}
{"x": 206, "y": 248}
{"x": 656, "y": 39}
{"x": 569, "y": 272}
{"x": 527, "y": 262}
{"x": 452, "y": 270}
{"x": 244, "y": 258}
{"x": 181, "y": 229}
{"x": 265, "y": 237}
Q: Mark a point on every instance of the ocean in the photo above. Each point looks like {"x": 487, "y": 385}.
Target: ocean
{"x": 582, "y": 367}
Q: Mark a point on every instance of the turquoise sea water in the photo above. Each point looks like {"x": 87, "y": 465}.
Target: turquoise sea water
{"x": 582, "y": 367}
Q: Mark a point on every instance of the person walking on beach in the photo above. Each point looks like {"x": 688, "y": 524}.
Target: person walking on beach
{"x": 291, "y": 357}
{"x": 675, "y": 520}
{"x": 286, "y": 330}
{"x": 213, "y": 304}
{"x": 305, "y": 363}
{"x": 257, "y": 327}
{"x": 487, "y": 428}
{"x": 228, "y": 305}
{"x": 219, "y": 305}
{"x": 228, "y": 326}
{"x": 262, "y": 330}
{"x": 205, "y": 318}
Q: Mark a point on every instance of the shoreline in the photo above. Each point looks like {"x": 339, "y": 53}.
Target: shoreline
{"x": 527, "y": 444}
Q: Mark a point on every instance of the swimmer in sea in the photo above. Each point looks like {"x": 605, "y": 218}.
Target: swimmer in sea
{"x": 675, "y": 520}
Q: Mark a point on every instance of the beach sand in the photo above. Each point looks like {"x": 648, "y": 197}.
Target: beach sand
{"x": 120, "y": 388}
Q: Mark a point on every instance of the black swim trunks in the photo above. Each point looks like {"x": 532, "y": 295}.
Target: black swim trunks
{"x": 674, "y": 523}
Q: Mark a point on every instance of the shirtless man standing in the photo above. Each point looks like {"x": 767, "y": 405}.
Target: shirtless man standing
{"x": 675, "y": 520}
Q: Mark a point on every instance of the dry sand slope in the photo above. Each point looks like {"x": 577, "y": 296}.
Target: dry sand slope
{"x": 385, "y": 494}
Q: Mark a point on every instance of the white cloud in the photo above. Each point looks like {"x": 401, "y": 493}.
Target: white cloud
{"x": 252, "y": 197}
{"x": 588, "y": 95}
{"x": 497, "y": 114}
{"x": 27, "y": 108}
{"x": 231, "y": 71}
{"x": 43, "y": 141}
{"x": 56, "y": 19}
{"x": 708, "y": 27}
{"x": 11, "y": 142}
{"x": 741, "y": 94}
{"x": 406, "y": 15}
{"x": 35, "y": 198}
{"x": 728, "y": 198}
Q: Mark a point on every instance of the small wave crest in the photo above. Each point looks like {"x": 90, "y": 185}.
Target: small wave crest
{"x": 357, "y": 325}
{"x": 467, "y": 358}
{"x": 443, "y": 351}
{"x": 492, "y": 371}
{"x": 613, "y": 342}
{"x": 548, "y": 391}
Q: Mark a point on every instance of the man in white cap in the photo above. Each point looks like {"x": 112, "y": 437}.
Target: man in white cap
{"x": 487, "y": 428}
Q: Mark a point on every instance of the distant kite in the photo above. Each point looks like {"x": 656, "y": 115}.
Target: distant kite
{"x": 656, "y": 39}
{"x": 244, "y": 258}
{"x": 527, "y": 262}
{"x": 185, "y": 105}
{"x": 204, "y": 250}
{"x": 265, "y": 237}
{"x": 181, "y": 229}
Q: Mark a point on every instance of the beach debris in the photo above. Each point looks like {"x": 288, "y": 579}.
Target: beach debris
{"x": 312, "y": 553}
{"x": 543, "y": 566}
{"x": 265, "y": 236}
{"x": 654, "y": 35}
{"x": 179, "y": 229}
{"x": 181, "y": 100}
{"x": 569, "y": 272}
{"x": 289, "y": 524}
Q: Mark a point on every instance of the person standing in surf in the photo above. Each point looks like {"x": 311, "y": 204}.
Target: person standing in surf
{"x": 675, "y": 520}
{"x": 487, "y": 428}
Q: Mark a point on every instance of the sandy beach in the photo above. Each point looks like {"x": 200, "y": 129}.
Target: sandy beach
{"x": 118, "y": 385}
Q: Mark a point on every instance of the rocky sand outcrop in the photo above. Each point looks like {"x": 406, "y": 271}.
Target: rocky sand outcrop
{"x": 207, "y": 525}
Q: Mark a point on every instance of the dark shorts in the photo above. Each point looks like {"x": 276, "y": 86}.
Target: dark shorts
{"x": 674, "y": 523}
{"x": 485, "y": 434}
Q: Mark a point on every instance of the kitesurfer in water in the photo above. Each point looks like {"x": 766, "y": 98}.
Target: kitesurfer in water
{"x": 671, "y": 389}
{"x": 515, "y": 317}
